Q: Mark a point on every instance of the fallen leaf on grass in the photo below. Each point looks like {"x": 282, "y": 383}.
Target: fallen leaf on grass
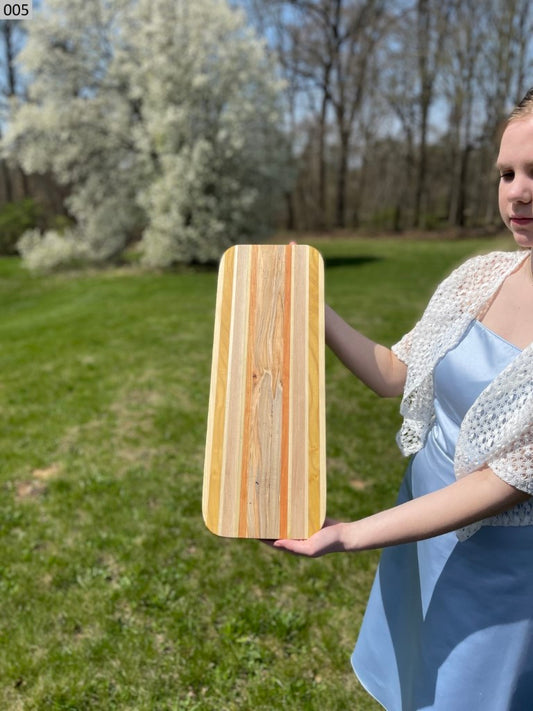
{"x": 47, "y": 473}
{"x": 358, "y": 484}
{"x": 30, "y": 489}
{"x": 38, "y": 485}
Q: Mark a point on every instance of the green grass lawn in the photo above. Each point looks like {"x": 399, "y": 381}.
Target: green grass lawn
{"x": 114, "y": 595}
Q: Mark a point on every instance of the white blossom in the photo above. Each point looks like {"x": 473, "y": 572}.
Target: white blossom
{"x": 45, "y": 252}
{"x": 162, "y": 117}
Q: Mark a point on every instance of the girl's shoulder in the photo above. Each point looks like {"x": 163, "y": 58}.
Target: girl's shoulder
{"x": 493, "y": 260}
{"x": 482, "y": 269}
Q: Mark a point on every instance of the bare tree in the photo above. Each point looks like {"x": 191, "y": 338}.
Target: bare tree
{"x": 11, "y": 35}
{"x": 349, "y": 35}
{"x": 462, "y": 63}
{"x": 432, "y": 25}
{"x": 399, "y": 69}
{"x": 326, "y": 48}
{"x": 278, "y": 21}
{"x": 357, "y": 36}
{"x": 501, "y": 82}
{"x": 443, "y": 72}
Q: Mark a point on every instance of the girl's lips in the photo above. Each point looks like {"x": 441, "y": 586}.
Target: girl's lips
{"x": 521, "y": 220}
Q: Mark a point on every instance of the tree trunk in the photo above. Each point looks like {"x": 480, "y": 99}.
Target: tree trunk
{"x": 289, "y": 201}
{"x": 422, "y": 167}
{"x": 322, "y": 197}
{"x": 342, "y": 181}
{"x": 426, "y": 86}
{"x": 6, "y": 180}
{"x": 460, "y": 214}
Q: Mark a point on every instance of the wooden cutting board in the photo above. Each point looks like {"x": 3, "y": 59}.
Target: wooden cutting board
{"x": 265, "y": 474}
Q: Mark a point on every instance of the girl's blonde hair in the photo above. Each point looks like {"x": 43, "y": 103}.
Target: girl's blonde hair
{"x": 523, "y": 109}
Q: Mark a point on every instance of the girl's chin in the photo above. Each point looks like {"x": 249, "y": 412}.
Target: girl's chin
{"x": 523, "y": 238}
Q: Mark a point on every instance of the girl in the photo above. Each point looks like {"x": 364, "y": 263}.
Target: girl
{"x": 449, "y": 622}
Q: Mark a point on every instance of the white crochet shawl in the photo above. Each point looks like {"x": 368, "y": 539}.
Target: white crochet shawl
{"x": 498, "y": 428}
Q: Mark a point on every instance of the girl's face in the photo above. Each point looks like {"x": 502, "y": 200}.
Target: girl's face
{"x": 515, "y": 195}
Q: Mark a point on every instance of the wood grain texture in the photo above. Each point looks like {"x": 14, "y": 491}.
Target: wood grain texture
{"x": 264, "y": 473}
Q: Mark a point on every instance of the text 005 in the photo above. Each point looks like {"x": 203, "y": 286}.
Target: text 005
{"x": 16, "y": 10}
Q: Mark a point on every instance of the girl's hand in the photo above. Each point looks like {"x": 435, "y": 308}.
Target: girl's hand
{"x": 469, "y": 499}
{"x": 327, "y": 540}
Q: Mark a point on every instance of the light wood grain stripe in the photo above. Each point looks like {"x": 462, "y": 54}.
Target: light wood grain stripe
{"x": 299, "y": 348}
{"x": 270, "y": 403}
{"x": 216, "y": 423}
{"x": 314, "y": 382}
{"x": 235, "y": 395}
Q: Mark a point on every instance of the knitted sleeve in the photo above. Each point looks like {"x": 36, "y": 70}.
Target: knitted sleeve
{"x": 515, "y": 466}
{"x": 456, "y": 301}
{"x": 402, "y": 349}
{"x": 512, "y": 466}
{"x": 497, "y": 432}
{"x": 498, "y": 429}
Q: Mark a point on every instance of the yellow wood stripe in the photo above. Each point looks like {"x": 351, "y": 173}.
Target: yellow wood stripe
{"x": 314, "y": 402}
{"x": 215, "y": 436}
{"x": 322, "y": 389}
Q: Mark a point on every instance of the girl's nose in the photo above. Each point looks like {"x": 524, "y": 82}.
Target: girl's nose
{"x": 521, "y": 190}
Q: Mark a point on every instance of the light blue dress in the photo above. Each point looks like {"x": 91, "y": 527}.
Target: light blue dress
{"x": 449, "y": 624}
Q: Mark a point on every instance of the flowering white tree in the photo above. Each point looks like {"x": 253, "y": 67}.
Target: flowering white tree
{"x": 163, "y": 118}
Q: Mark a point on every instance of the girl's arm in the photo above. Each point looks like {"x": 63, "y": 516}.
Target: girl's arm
{"x": 373, "y": 364}
{"x": 472, "y": 498}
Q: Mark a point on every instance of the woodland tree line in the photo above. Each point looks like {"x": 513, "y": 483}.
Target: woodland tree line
{"x": 394, "y": 107}
{"x": 391, "y": 108}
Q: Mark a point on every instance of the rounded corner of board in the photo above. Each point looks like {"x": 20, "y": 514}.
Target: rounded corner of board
{"x": 207, "y": 518}
{"x": 314, "y": 250}
{"x": 210, "y": 527}
{"x": 218, "y": 534}
{"x": 227, "y": 252}
{"x": 319, "y": 524}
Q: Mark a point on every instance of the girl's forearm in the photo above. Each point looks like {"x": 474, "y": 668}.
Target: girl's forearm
{"x": 470, "y": 499}
{"x": 373, "y": 364}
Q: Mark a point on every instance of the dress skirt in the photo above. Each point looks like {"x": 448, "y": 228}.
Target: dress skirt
{"x": 449, "y": 624}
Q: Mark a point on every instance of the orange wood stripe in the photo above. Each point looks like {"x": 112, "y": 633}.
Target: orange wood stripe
{"x": 314, "y": 491}
{"x": 216, "y": 425}
{"x": 286, "y": 378}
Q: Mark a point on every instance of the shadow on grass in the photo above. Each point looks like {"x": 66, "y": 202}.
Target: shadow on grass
{"x": 329, "y": 263}
{"x": 333, "y": 262}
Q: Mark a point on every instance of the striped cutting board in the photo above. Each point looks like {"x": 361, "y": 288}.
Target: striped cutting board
{"x": 264, "y": 474}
